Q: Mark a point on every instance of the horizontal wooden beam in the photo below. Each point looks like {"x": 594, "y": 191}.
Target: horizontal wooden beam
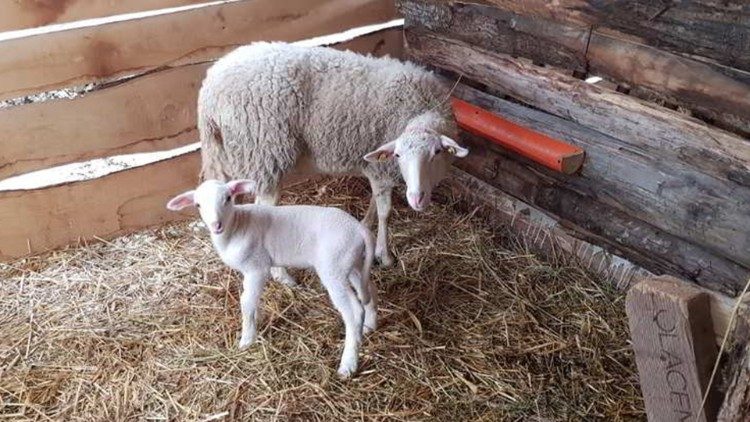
{"x": 76, "y": 56}
{"x": 23, "y": 14}
{"x": 42, "y": 219}
{"x": 640, "y": 127}
{"x": 715, "y": 30}
{"x": 156, "y": 111}
{"x": 712, "y": 91}
{"x": 620, "y": 200}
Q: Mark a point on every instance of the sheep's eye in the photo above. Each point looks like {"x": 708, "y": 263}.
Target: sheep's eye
{"x": 396, "y": 155}
{"x": 229, "y": 198}
{"x": 197, "y": 205}
{"x": 438, "y": 151}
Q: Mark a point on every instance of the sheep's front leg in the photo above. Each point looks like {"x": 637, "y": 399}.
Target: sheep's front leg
{"x": 252, "y": 289}
{"x": 382, "y": 195}
{"x": 278, "y": 273}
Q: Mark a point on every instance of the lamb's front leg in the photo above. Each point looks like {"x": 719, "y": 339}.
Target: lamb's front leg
{"x": 279, "y": 274}
{"x": 252, "y": 289}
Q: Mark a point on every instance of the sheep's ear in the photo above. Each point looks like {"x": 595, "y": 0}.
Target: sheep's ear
{"x": 384, "y": 153}
{"x": 181, "y": 201}
{"x": 453, "y": 147}
{"x": 238, "y": 187}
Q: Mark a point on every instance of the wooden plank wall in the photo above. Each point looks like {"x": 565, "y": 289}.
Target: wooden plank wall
{"x": 660, "y": 187}
{"x": 151, "y": 111}
{"x": 22, "y": 14}
{"x": 81, "y": 55}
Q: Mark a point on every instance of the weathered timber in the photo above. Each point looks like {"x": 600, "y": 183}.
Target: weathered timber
{"x": 109, "y": 206}
{"x": 713, "y": 92}
{"x": 75, "y": 56}
{"x": 736, "y": 405}
{"x": 29, "y": 14}
{"x": 716, "y": 30}
{"x": 630, "y": 202}
{"x": 642, "y": 127}
{"x": 672, "y": 336}
{"x": 151, "y": 112}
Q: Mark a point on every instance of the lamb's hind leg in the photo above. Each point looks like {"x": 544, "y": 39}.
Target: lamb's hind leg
{"x": 279, "y": 274}
{"x": 346, "y": 302}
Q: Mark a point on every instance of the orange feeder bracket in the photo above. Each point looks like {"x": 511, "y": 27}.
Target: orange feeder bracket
{"x": 549, "y": 152}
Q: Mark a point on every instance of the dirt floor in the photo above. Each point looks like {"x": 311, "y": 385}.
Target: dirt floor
{"x": 473, "y": 327}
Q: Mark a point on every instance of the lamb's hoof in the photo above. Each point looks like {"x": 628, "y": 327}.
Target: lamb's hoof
{"x": 283, "y": 277}
{"x": 346, "y": 372}
{"x": 288, "y": 281}
{"x": 367, "y": 329}
{"x": 384, "y": 260}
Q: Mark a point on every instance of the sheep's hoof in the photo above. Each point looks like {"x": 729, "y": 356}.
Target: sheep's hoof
{"x": 247, "y": 342}
{"x": 346, "y": 372}
{"x": 384, "y": 260}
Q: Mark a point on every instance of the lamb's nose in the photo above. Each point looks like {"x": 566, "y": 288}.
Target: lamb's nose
{"x": 216, "y": 227}
{"x": 417, "y": 199}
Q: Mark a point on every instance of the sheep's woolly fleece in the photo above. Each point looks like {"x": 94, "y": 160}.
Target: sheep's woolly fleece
{"x": 265, "y": 107}
{"x": 473, "y": 327}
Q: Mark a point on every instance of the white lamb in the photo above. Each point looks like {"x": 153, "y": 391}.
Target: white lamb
{"x": 268, "y": 110}
{"x": 253, "y": 238}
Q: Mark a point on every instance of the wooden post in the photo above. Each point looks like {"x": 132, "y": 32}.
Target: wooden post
{"x": 673, "y": 340}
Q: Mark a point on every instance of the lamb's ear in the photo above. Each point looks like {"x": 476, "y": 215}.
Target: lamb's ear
{"x": 181, "y": 201}
{"x": 453, "y": 147}
{"x": 384, "y": 153}
{"x": 238, "y": 187}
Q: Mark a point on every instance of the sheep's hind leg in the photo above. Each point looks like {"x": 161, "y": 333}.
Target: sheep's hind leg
{"x": 279, "y": 274}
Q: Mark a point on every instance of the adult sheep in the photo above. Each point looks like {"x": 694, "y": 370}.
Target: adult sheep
{"x": 269, "y": 110}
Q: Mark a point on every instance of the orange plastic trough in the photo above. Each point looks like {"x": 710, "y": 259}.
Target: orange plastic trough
{"x": 549, "y": 152}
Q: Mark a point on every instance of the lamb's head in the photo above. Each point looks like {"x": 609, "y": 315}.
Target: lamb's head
{"x": 424, "y": 158}
{"x": 214, "y": 200}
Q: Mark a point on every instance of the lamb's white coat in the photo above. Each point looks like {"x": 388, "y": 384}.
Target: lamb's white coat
{"x": 253, "y": 238}
{"x": 268, "y": 110}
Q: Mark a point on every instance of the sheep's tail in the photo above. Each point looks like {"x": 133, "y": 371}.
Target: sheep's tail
{"x": 364, "y": 290}
{"x": 212, "y": 149}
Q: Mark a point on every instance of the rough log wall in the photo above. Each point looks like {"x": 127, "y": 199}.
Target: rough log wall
{"x": 659, "y": 187}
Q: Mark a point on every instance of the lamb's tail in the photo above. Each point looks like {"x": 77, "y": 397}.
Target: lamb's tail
{"x": 364, "y": 290}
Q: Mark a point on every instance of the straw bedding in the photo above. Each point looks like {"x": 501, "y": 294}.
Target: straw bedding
{"x": 473, "y": 327}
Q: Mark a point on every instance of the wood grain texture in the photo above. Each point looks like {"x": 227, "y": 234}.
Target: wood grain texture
{"x": 121, "y": 202}
{"x": 736, "y": 404}
{"x": 627, "y": 201}
{"x": 672, "y": 336}
{"x": 712, "y": 91}
{"x": 641, "y": 128}
{"x": 76, "y": 56}
{"x": 21, "y": 14}
{"x": 156, "y": 111}
{"x": 717, "y": 31}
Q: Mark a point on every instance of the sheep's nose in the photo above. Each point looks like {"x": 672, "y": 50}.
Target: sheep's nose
{"x": 417, "y": 199}
{"x": 216, "y": 227}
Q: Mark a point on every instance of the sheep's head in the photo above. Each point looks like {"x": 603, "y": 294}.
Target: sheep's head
{"x": 214, "y": 200}
{"x": 424, "y": 158}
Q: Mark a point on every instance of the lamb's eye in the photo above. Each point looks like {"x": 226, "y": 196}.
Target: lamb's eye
{"x": 197, "y": 205}
{"x": 438, "y": 151}
{"x": 229, "y": 198}
{"x": 396, "y": 155}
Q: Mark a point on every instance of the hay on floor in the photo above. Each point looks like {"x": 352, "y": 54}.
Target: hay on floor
{"x": 472, "y": 327}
